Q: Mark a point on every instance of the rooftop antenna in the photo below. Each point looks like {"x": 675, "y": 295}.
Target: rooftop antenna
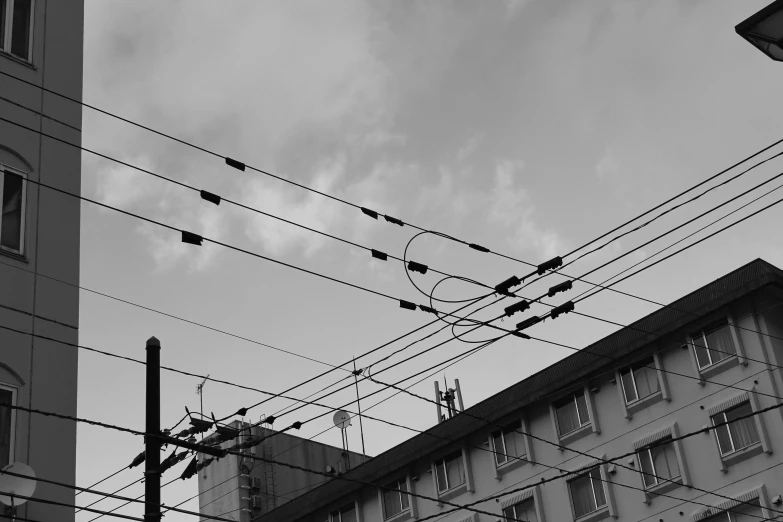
{"x": 342, "y": 420}
{"x": 200, "y": 393}
{"x": 448, "y": 398}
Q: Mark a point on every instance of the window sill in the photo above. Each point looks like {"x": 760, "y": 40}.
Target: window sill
{"x": 20, "y": 61}
{"x": 568, "y": 438}
{"x": 452, "y": 493}
{"x": 399, "y": 517}
{"x": 741, "y": 455}
{"x": 661, "y": 489}
{"x": 646, "y": 402}
{"x": 513, "y": 464}
{"x": 14, "y": 255}
{"x": 595, "y": 515}
{"x": 722, "y": 366}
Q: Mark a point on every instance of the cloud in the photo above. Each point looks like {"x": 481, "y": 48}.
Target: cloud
{"x": 511, "y": 208}
{"x": 608, "y": 166}
{"x": 121, "y": 186}
{"x": 294, "y": 204}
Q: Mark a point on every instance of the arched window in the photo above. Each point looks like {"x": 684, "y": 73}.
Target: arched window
{"x": 12, "y": 209}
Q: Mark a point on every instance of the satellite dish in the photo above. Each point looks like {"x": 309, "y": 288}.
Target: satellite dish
{"x": 342, "y": 419}
{"x": 24, "y": 486}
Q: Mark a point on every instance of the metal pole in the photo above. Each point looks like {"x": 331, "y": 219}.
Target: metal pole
{"x": 359, "y": 406}
{"x": 152, "y": 444}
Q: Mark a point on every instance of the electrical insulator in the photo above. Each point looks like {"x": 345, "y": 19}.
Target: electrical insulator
{"x": 503, "y": 288}
{"x": 519, "y": 306}
{"x": 527, "y": 323}
{"x": 562, "y": 287}
{"x": 553, "y": 263}
{"x": 562, "y": 309}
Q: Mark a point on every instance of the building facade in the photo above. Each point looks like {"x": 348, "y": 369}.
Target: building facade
{"x": 245, "y": 489}
{"x": 713, "y": 357}
{"x": 41, "y": 42}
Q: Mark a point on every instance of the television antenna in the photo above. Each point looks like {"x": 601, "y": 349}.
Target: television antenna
{"x": 342, "y": 419}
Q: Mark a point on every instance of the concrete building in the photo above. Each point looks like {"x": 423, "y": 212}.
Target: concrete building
{"x": 41, "y": 43}
{"x": 712, "y": 356}
{"x": 244, "y": 488}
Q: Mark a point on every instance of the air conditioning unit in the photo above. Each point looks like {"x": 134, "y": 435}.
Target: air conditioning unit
{"x": 257, "y": 502}
{"x": 256, "y": 484}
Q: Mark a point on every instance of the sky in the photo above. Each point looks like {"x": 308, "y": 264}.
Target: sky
{"x": 526, "y": 126}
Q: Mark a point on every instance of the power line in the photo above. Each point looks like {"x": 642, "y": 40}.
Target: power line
{"x": 375, "y": 253}
{"x": 241, "y": 166}
{"x": 107, "y": 495}
{"x": 62, "y": 504}
{"x": 129, "y": 502}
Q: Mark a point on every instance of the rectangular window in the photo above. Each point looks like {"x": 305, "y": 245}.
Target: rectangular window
{"x": 395, "y": 502}
{"x": 740, "y": 513}
{"x": 11, "y": 211}
{"x": 572, "y": 413}
{"x": 505, "y": 444}
{"x": 738, "y": 434}
{"x": 587, "y": 493}
{"x": 7, "y": 396}
{"x": 524, "y": 512}
{"x": 450, "y": 472}
{"x": 640, "y": 380}
{"x": 713, "y": 344}
{"x": 658, "y": 463}
{"x": 345, "y": 514}
{"x": 17, "y": 27}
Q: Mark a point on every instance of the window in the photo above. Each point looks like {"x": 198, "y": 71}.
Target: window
{"x": 740, "y": 513}
{"x": 740, "y": 433}
{"x": 506, "y": 444}
{"x": 658, "y": 463}
{"x": 12, "y": 215}
{"x": 524, "y": 511}
{"x": 587, "y": 493}
{"x": 713, "y": 344}
{"x": 640, "y": 380}
{"x": 16, "y": 27}
{"x": 345, "y": 514}
{"x": 572, "y": 413}
{"x": 395, "y": 502}
{"x": 7, "y": 416}
{"x": 450, "y": 472}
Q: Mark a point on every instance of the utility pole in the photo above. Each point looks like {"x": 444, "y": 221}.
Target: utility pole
{"x": 152, "y": 441}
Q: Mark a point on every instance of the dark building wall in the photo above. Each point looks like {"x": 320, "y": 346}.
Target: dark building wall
{"x": 226, "y": 486}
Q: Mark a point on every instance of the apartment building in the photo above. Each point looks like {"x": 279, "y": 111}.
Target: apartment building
{"x": 713, "y": 357}
{"x": 40, "y": 43}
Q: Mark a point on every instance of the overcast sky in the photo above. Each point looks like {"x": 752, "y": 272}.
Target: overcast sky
{"x": 528, "y": 126}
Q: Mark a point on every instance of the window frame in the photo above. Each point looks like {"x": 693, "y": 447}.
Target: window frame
{"x": 455, "y": 456}
{"x": 592, "y": 480}
{"x": 671, "y": 431}
{"x": 591, "y": 427}
{"x": 758, "y": 494}
{"x": 12, "y": 438}
{"x": 705, "y": 372}
{"x": 663, "y": 393}
{"x": 522, "y": 443}
{"x": 734, "y": 449}
{"x": 533, "y": 494}
{"x": 763, "y": 446}
{"x": 339, "y": 511}
{"x": 23, "y": 221}
{"x": 610, "y": 508}
{"x": 405, "y": 513}
{"x": 575, "y": 397}
{"x": 452, "y": 492}
{"x": 5, "y": 45}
